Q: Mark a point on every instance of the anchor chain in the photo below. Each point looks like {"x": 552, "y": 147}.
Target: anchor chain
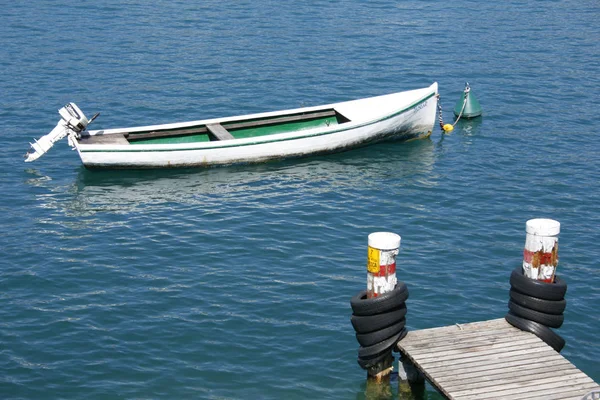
{"x": 440, "y": 118}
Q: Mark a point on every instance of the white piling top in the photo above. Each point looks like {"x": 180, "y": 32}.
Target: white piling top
{"x": 542, "y": 227}
{"x": 384, "y": 240}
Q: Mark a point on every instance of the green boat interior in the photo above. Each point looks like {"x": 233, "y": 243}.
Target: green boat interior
{"x": 226, "y": 131}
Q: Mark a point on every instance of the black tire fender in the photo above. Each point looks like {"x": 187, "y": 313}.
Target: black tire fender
{"x": 375, "y": 350}
{"x": 369, "y": 339}
{"x": 551, "y": 338}
{"x": 366, "y": 363}
{"x": 550, "y": 320}
{"x": 539, "y": 289}
{"x": 380, "y": 304}
{"x": 533, "y": 303}
{"x": 371, "y": 323}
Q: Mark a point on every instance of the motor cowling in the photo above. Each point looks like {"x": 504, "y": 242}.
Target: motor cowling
{"x": 74, "y": 117}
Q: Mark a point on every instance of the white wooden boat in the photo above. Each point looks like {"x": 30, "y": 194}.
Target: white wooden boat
{"x": 251, "y": 138}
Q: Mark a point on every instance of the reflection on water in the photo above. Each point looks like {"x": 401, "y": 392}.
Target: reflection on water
{"x": 37, "y": 178}
{"x": 130, "y": 190}
{"x": 466, "y": 129}
{"x": 470, "y": 126}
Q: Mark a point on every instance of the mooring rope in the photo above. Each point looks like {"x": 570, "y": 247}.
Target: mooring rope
{"x": 467, "y": 90}
{"x": 450, "y": 127}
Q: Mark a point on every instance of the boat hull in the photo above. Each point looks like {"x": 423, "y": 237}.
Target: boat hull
{"x": 383, "y": 122}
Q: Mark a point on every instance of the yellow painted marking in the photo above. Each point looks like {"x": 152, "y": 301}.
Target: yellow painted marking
{"x": 373, "y": 260}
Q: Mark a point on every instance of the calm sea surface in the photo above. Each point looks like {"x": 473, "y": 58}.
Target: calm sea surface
{"x": 235, "y": 282}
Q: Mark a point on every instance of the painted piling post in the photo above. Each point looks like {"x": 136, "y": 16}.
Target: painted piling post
{"x": 537, "y": 293}
{"x": 382, "y": 250}
{"x": 540, "y": 256}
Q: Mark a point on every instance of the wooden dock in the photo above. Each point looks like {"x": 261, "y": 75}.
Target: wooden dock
{"x": 493, "y": 360}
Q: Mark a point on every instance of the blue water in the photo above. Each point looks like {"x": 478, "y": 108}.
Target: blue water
{"x": 235, "y": 282}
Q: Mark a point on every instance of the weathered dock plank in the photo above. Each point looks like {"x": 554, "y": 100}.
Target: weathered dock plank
{"x": 493, "y": 360}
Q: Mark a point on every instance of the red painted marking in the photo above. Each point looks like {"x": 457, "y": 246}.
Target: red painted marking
{"x": 386, "y": 270}
{"x": 544, "y": 258}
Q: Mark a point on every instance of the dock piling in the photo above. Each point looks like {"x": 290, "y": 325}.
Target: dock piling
{"x": 382, "y": 250}
{"x": 411, "y": 382}
{"x": 379, "y": 312}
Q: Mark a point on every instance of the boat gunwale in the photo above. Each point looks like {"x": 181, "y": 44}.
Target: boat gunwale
{"x": 278, "y": 137}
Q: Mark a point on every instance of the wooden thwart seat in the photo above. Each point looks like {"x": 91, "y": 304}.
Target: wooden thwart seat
{"x": 104, "y": 139}
{"x": 218, "y": 132}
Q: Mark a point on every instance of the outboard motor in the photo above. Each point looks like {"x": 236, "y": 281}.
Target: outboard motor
{"x": 74, "y": 117}
{"x": 72, "y": 122}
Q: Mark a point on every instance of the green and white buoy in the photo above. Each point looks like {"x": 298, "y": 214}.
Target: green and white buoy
{"x": 467, "y": 106}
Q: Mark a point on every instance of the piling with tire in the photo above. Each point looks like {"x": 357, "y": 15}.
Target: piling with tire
{"x": 379, "y": 313}
{"x": 537, "y": 294}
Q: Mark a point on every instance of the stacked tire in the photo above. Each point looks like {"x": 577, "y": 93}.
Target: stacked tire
{"x": 379, "y": 323}
{"x": 537, "y": 306}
